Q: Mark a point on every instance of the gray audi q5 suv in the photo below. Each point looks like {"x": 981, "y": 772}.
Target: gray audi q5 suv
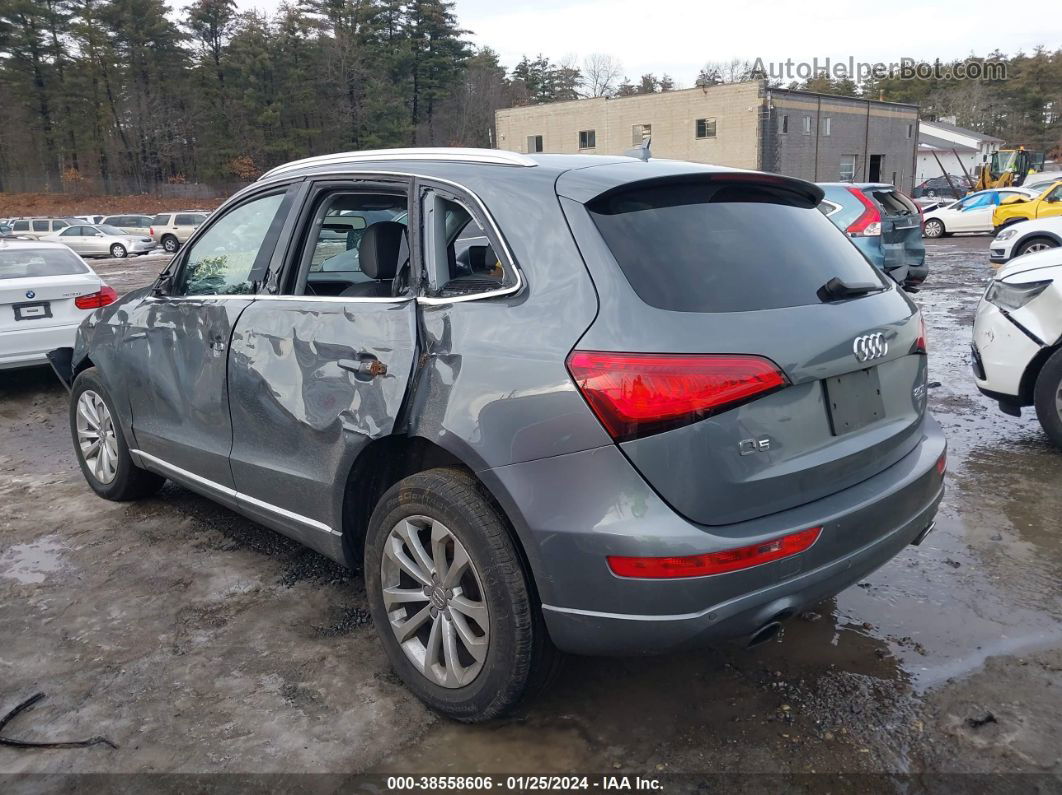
{"x": 550, "y": 403}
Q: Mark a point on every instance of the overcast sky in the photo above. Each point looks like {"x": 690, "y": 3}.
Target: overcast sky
{"x": 679, "y": 36}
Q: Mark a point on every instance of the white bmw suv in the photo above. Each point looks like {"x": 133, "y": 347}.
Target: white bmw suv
{"x": 1017, "y": 343}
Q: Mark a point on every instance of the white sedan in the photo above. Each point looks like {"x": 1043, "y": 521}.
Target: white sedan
{"x": 46, "y": 290}
{"x": 1017, "y": 340}
{"x": 101, "y": 240}
{"x": 971, "y": 213}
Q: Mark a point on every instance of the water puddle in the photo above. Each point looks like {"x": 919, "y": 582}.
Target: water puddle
{"x": 33, "y": 562}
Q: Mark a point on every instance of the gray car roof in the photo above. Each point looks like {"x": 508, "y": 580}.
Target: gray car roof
{"x": 580, "y": 177}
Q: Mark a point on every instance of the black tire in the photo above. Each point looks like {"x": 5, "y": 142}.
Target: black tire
{"x": 169, "y": 243}
{"x": 118, "y": 251}
{"x": 1047, "y": 397}
{"x": 934, "y": 228}
{"x": 1035, "y": 244}
{"x": 130, "y": 482}
{"x": 520, "y": 659}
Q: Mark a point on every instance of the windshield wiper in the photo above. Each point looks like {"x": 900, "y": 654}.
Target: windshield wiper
{"x": 837, "y": 289}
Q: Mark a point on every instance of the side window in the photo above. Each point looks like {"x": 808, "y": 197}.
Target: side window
{"x": 57, "y": 225}
{"x": 355, "y": 246}
{"x": 21, "y": 226}
{"x": 220, "y": 262}
{"x": 983, "y": 200}
{"x": 73, "y": 231}
{"x": 464, "y": 256}
{"x": 40, "y": 226}
{"x": 189, "y": 220}
{"x": 161, "y": 220}
{"x": 1055, "y": 195}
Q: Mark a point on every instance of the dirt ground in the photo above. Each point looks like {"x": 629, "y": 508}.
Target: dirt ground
{"x": 199, "y": 642}
{"x": 60, "y": 204}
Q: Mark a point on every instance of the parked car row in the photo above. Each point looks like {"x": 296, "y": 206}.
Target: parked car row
{"x": 169, "y": 230}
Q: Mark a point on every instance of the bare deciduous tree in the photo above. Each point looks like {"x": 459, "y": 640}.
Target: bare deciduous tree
{"x": 601, "y": 75}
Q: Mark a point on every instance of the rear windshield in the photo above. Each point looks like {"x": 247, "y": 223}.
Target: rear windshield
{"x": 724, "y": 248}
{"x": 893, "y": 203}
{"x": 41, "y": 262}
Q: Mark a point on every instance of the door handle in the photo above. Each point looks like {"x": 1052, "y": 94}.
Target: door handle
{"x": 369, "y": 366}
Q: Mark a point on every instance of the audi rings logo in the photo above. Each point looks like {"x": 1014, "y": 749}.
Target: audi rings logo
{"x": 870, "y": 346}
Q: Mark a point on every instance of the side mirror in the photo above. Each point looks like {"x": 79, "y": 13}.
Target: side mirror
{"x": 163, "y": 285}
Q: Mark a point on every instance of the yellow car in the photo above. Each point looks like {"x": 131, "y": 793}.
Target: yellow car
{"x": 1016, "y": 208}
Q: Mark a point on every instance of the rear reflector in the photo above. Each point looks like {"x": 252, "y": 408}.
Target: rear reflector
{"x": 635, "y": 394}
{"x": 868, "y": 224}
{"x": 104, "y": 297}
{"x": 715, "y": 562}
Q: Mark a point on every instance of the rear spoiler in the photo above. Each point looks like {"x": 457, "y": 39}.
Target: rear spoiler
{"x": 590, "y": 184}
{"x": 62, "y": 362}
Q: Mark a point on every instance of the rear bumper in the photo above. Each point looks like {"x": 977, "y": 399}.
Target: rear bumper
{"x": 29, "y": 347}
{"x": 572, "y": 513}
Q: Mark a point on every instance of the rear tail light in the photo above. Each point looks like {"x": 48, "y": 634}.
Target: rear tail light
{"x": 104, "y": 297}
{"x": 868, "y": 223}
{"x": 715, "y": 562}
{"x": 942, "y": 463}
{"x": 636, "y": 394}
{"x": 151, "y": 231}
{"x": 920, "y": 343}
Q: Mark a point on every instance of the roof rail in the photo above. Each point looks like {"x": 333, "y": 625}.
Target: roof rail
{"x": 450, "y": 154}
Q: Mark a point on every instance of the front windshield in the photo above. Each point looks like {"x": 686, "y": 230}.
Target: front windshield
{"x": 1003, "y": 161}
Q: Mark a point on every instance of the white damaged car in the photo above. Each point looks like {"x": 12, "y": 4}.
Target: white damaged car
{"x": 1017, "y": 341}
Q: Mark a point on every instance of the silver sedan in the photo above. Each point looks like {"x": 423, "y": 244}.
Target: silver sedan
{"x": 102, "y": 240}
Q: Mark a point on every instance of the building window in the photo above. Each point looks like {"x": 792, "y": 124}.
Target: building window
{"x": 534, "y": 143}
{"x": 783, "y": 123}
{"x": 910, "y": 130}
{"x": 807, "y": 125}
{"x": 587, "y": 139}
{"x": 826, "y": 125}
{"x": 706, "y": 128}
{"x": 848, "y": 168}
{"x": 641, "y": 133}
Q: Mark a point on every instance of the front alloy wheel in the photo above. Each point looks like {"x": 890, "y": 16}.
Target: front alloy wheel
{"x": 118, "y": 251}
{"x": 434, "y": 601}
{"x": 96, "y": 438}
{"x": 933, "y": 228}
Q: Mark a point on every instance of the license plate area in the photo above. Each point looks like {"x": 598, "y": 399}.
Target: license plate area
{"x": 853, "y": 400}
{"x": 33, "y": 310}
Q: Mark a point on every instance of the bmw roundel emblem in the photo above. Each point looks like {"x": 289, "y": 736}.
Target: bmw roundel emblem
{"x": 30, "y": 294}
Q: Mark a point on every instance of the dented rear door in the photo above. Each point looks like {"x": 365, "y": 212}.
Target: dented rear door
{"x": 312, "y": 380}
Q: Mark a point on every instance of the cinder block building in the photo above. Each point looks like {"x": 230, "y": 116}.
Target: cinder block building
{"x": 818, "y": 137}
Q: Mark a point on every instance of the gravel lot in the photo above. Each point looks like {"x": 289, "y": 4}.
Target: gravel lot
{"x": 199, "y": 642}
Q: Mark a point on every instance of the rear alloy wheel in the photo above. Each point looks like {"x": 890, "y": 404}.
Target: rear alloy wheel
{"x": 451, "y": 599}
{"x": 169, "y": 243}
{"x": 1036, "y": 244}
{"x": 1047, "y": 397}
{"x": 118, "y": 251}
{"x": 933, "y": 228}
{"x": 100, "y": 446}
{"x": 434, "y": 601}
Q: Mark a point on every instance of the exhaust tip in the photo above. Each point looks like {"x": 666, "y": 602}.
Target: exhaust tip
{"x": 765, "y": 633}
